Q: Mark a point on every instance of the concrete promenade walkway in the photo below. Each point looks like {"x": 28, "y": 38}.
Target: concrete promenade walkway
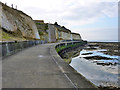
{"x": 40, "y": 67}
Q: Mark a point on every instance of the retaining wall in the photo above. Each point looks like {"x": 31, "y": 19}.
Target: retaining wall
{"x": 9, "y": 48}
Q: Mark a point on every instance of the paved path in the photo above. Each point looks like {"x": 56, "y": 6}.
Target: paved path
{"x": 40, "y": 67}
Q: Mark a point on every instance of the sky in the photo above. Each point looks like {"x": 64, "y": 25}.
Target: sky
{"x": 95, "y": 20}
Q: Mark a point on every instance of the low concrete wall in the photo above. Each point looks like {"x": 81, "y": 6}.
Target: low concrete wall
{"x": 69, "y": 46}
{"x": 78, "y": 80}
{"x": 71, "y": 43}
{"x": 9, "y": 48}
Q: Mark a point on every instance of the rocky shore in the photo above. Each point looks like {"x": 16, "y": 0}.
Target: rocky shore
{"x": 102, "y": 57}
{"x": 111, "y": 47}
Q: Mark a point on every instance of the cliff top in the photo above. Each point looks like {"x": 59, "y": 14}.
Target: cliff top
{"x": 12, "y": 9}
{"x": 75, "y": 33}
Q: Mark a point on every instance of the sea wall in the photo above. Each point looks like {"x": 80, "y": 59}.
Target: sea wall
{"x": 62, "y": 48}
{"x": 9, "y": 48}
{"x": 76, "y": 78}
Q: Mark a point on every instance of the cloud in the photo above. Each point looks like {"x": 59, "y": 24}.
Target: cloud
{"x": 70, "y": 13}
{"x": 81, "y": 15}
{"x": 103, "y": 34}
{"x": 74, "y": 12}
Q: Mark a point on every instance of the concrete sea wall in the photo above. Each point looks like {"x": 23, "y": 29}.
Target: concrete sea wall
{"x": 62, "y": 48}
{"x": 9, "y": 48}
{"x": 76, "y": 78}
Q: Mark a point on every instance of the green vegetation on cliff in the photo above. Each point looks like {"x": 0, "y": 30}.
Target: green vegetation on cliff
{"x": 58, "y": 49}
{"x": 42, "y": 30}
{"x": 14, "y": 22}
{"x": 6, "y": 36}
{"x": 12, "y": 36}
{"x": 42, "y": 26}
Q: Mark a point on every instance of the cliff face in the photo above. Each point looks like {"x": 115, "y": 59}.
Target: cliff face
{"x": 12, "y": 20}
{"x": 76, "y": 36}
{"x": 42, "y": 29}
{"x": 52, "y": 35}
{"x": 0, "y": 14}
{"x": 60, "y": 33}
{"x": 16, "y": 25}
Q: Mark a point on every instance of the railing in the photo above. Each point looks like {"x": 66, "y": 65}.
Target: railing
{"x": 9, "y": 48}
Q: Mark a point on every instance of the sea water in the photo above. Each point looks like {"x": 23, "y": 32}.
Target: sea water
{"x": 97, "y": 74}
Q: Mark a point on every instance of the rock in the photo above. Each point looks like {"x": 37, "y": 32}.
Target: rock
{"x": 98, "y": 58}
{"x": 16, "y": 21}
{"x": 86, "y": 53}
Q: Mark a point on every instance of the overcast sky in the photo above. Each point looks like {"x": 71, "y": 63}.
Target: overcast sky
{"x": 95, "y": 20}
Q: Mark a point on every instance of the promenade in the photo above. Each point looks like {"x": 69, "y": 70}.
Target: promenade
{"x": 40, "y": 67}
